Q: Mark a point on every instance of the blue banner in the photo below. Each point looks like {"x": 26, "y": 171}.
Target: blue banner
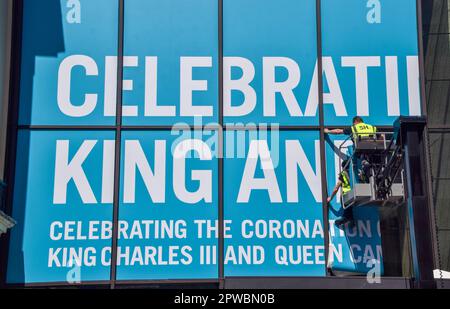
{"x": 270, "y": 57}
{"x": 352, "y": 249}
{"x": 63, "y": 207}
{"x": 273, "y": 204}
{"x": 169, "y": 207}
{"x": 69, "y": 56}
{"x": 371, "y": 63}
{"x": 65, "y": 218}
{"x": 171, "y": 64}
{"x": 171, "y": 61}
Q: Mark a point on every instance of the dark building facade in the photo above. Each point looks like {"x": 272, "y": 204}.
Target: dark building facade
{"x": 436, "y": 40}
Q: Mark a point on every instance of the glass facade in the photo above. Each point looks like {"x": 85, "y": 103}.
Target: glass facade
{"x": 437, "y": 73}
{"x": 207, "y": 159}
{"x": 5, "y": 21}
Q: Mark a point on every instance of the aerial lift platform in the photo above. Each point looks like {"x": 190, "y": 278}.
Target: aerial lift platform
{"x": 381, "y": 181}
{"x": 397, "y": 177}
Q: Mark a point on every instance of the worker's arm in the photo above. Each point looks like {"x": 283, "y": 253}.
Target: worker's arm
{"x": 334, "y": 131}
{"x": 335, "y": 190}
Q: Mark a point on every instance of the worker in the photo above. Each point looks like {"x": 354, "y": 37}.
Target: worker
{"x": 344, "y": 184}
{"x": 359, "y": 130}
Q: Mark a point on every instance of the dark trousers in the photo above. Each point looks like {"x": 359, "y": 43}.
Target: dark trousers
{"x": 348, "y": 213}
{"x": 358, "y": 166}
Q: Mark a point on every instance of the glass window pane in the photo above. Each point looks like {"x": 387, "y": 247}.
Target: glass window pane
{"x": 438, "y": 96}
{"x": 370, "y": 61}
{"x": 168, "y": 206}
{"x": 171, "y": 49}
{"x": 4, "y": 79}
{"x": 438, "y": 16}
{"x": 273, "y": 204}
{"x": 442, "y": 202}
{"x": 437, "y": 63}
{"x": 439, "y": 150}
{"x": 444, "y": 246}
{"x": 270, "y": 49}
{"x": 68, "y": 67}
{"x": 63, "y": 207}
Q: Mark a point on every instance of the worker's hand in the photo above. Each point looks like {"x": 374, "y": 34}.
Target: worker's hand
{"x": 326, "y": 131}
{"x": 328, "y": 200}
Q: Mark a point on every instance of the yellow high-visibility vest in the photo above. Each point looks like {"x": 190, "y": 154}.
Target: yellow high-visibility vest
{"x": 346, "y": 187}
{"x": 363, "y": 130}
